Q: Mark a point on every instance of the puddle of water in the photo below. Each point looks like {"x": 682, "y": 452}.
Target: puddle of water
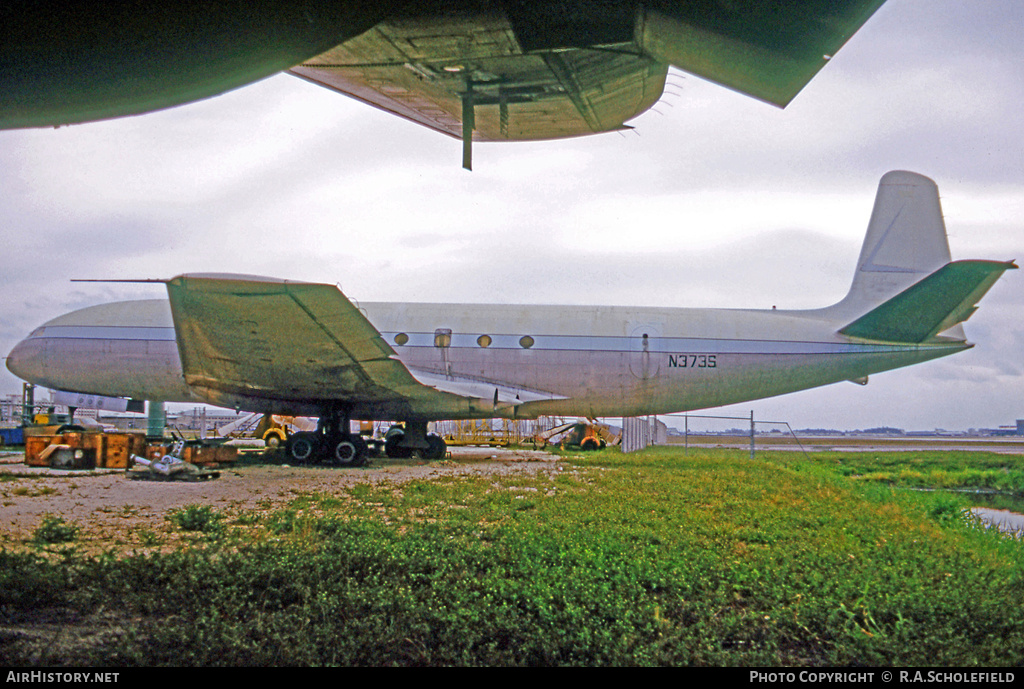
{"x": 990, "y": 508}
{"x": 1004, "y": 520}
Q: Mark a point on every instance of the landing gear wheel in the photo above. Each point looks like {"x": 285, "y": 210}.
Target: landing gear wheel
{"x": 344, "y": 452}
{"x": 302, "y": 447}
{"x": 393, "y": 446}
{"x": 349, "y": 451}
{"x": 589, "y": 444}
{"x": 436, "y": 447}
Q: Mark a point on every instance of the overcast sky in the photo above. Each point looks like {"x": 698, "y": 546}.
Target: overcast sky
{"x": 714, "y": 200}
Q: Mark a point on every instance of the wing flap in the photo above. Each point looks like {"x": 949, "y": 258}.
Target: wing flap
{"x": 485, "y": 393}
{"x": 514, "y": 96}
{"x": 306, "y": 342}
{"x": 544, "y": 70}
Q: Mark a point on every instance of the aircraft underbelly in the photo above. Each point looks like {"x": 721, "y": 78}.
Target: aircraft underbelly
{"x": 605, "y": 383}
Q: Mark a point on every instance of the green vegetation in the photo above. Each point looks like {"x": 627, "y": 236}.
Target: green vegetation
{"x": 24, "y": 487}
{"x": 932, "y": 469}
{"x": 54, "y": 530}
{"x": 651, "y": 558}
{"x": 201, "y": 518}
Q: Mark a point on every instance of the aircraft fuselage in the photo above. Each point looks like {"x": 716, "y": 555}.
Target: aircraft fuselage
{"x": 586, "y": 360}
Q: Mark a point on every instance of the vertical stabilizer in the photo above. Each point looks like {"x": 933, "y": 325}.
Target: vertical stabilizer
{"x": 906, "y": 241}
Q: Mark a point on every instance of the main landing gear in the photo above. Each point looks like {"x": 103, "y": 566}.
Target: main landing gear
{"x": 400, "y": 443}
{"x": 332, "y": 443}
{"x": 312, "y": 447}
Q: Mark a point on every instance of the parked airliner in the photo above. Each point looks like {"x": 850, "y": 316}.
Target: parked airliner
{"x": 268, "y": 345}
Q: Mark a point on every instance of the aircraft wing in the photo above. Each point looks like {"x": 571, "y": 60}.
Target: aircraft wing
{"x": 511, "y": 95}
{"x": 307, "y": 343}
{"x": 768, "y": 50}
{"x": 499, "y": 395}
{"x": 483, "y": 69}
{"x": 542, "y": 70}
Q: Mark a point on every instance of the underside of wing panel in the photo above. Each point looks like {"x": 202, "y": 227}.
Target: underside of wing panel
{"x": 532, "y": 69}
{"x": 429, "y": 74}
{"x": 279, "y": 345}
{"x": 528, "y": 69}
{"x": 281, "y": 340}
{"x": 768, "y": 50}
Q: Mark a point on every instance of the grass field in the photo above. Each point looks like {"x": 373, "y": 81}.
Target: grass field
{"x": 653, "y": 558}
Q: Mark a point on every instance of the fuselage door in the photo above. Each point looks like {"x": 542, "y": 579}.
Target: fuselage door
{"x": 443, "y": 341}
{"x": 644, "y": 362}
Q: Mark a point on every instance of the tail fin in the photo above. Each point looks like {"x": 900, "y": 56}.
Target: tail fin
{"x": 906, "y": 240}
{"x": 906, "y": 289}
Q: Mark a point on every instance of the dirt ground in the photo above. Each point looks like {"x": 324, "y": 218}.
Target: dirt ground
{"x": 108, "y": 505}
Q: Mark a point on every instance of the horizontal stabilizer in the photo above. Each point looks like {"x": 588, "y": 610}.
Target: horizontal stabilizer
{"x": 934, "y": 304}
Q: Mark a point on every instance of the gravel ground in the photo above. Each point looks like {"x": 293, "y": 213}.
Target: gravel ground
{"x": 108, "y": 504}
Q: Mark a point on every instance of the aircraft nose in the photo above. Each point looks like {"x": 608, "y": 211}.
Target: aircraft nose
{"x": 26, "y": 361}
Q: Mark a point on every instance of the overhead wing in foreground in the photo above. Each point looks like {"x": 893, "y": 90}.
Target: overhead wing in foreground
{"x": 543, "y": 69}
{"x": 261, "y": 343}
{"x": 489, "y": 70}
{"x": 768, "y": 50}
{"x": 68, "y": 62}
{"x": 436, "y": 71}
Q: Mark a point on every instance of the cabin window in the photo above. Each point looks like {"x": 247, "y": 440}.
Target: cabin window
{"x": 401, "y": 339}
{"x": 484, "y": 340}
{"x": 443, "y": 337}
{"x": 526, "y": 342}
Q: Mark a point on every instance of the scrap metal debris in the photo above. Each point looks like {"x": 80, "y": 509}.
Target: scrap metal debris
{"x": 171, "y": 467}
